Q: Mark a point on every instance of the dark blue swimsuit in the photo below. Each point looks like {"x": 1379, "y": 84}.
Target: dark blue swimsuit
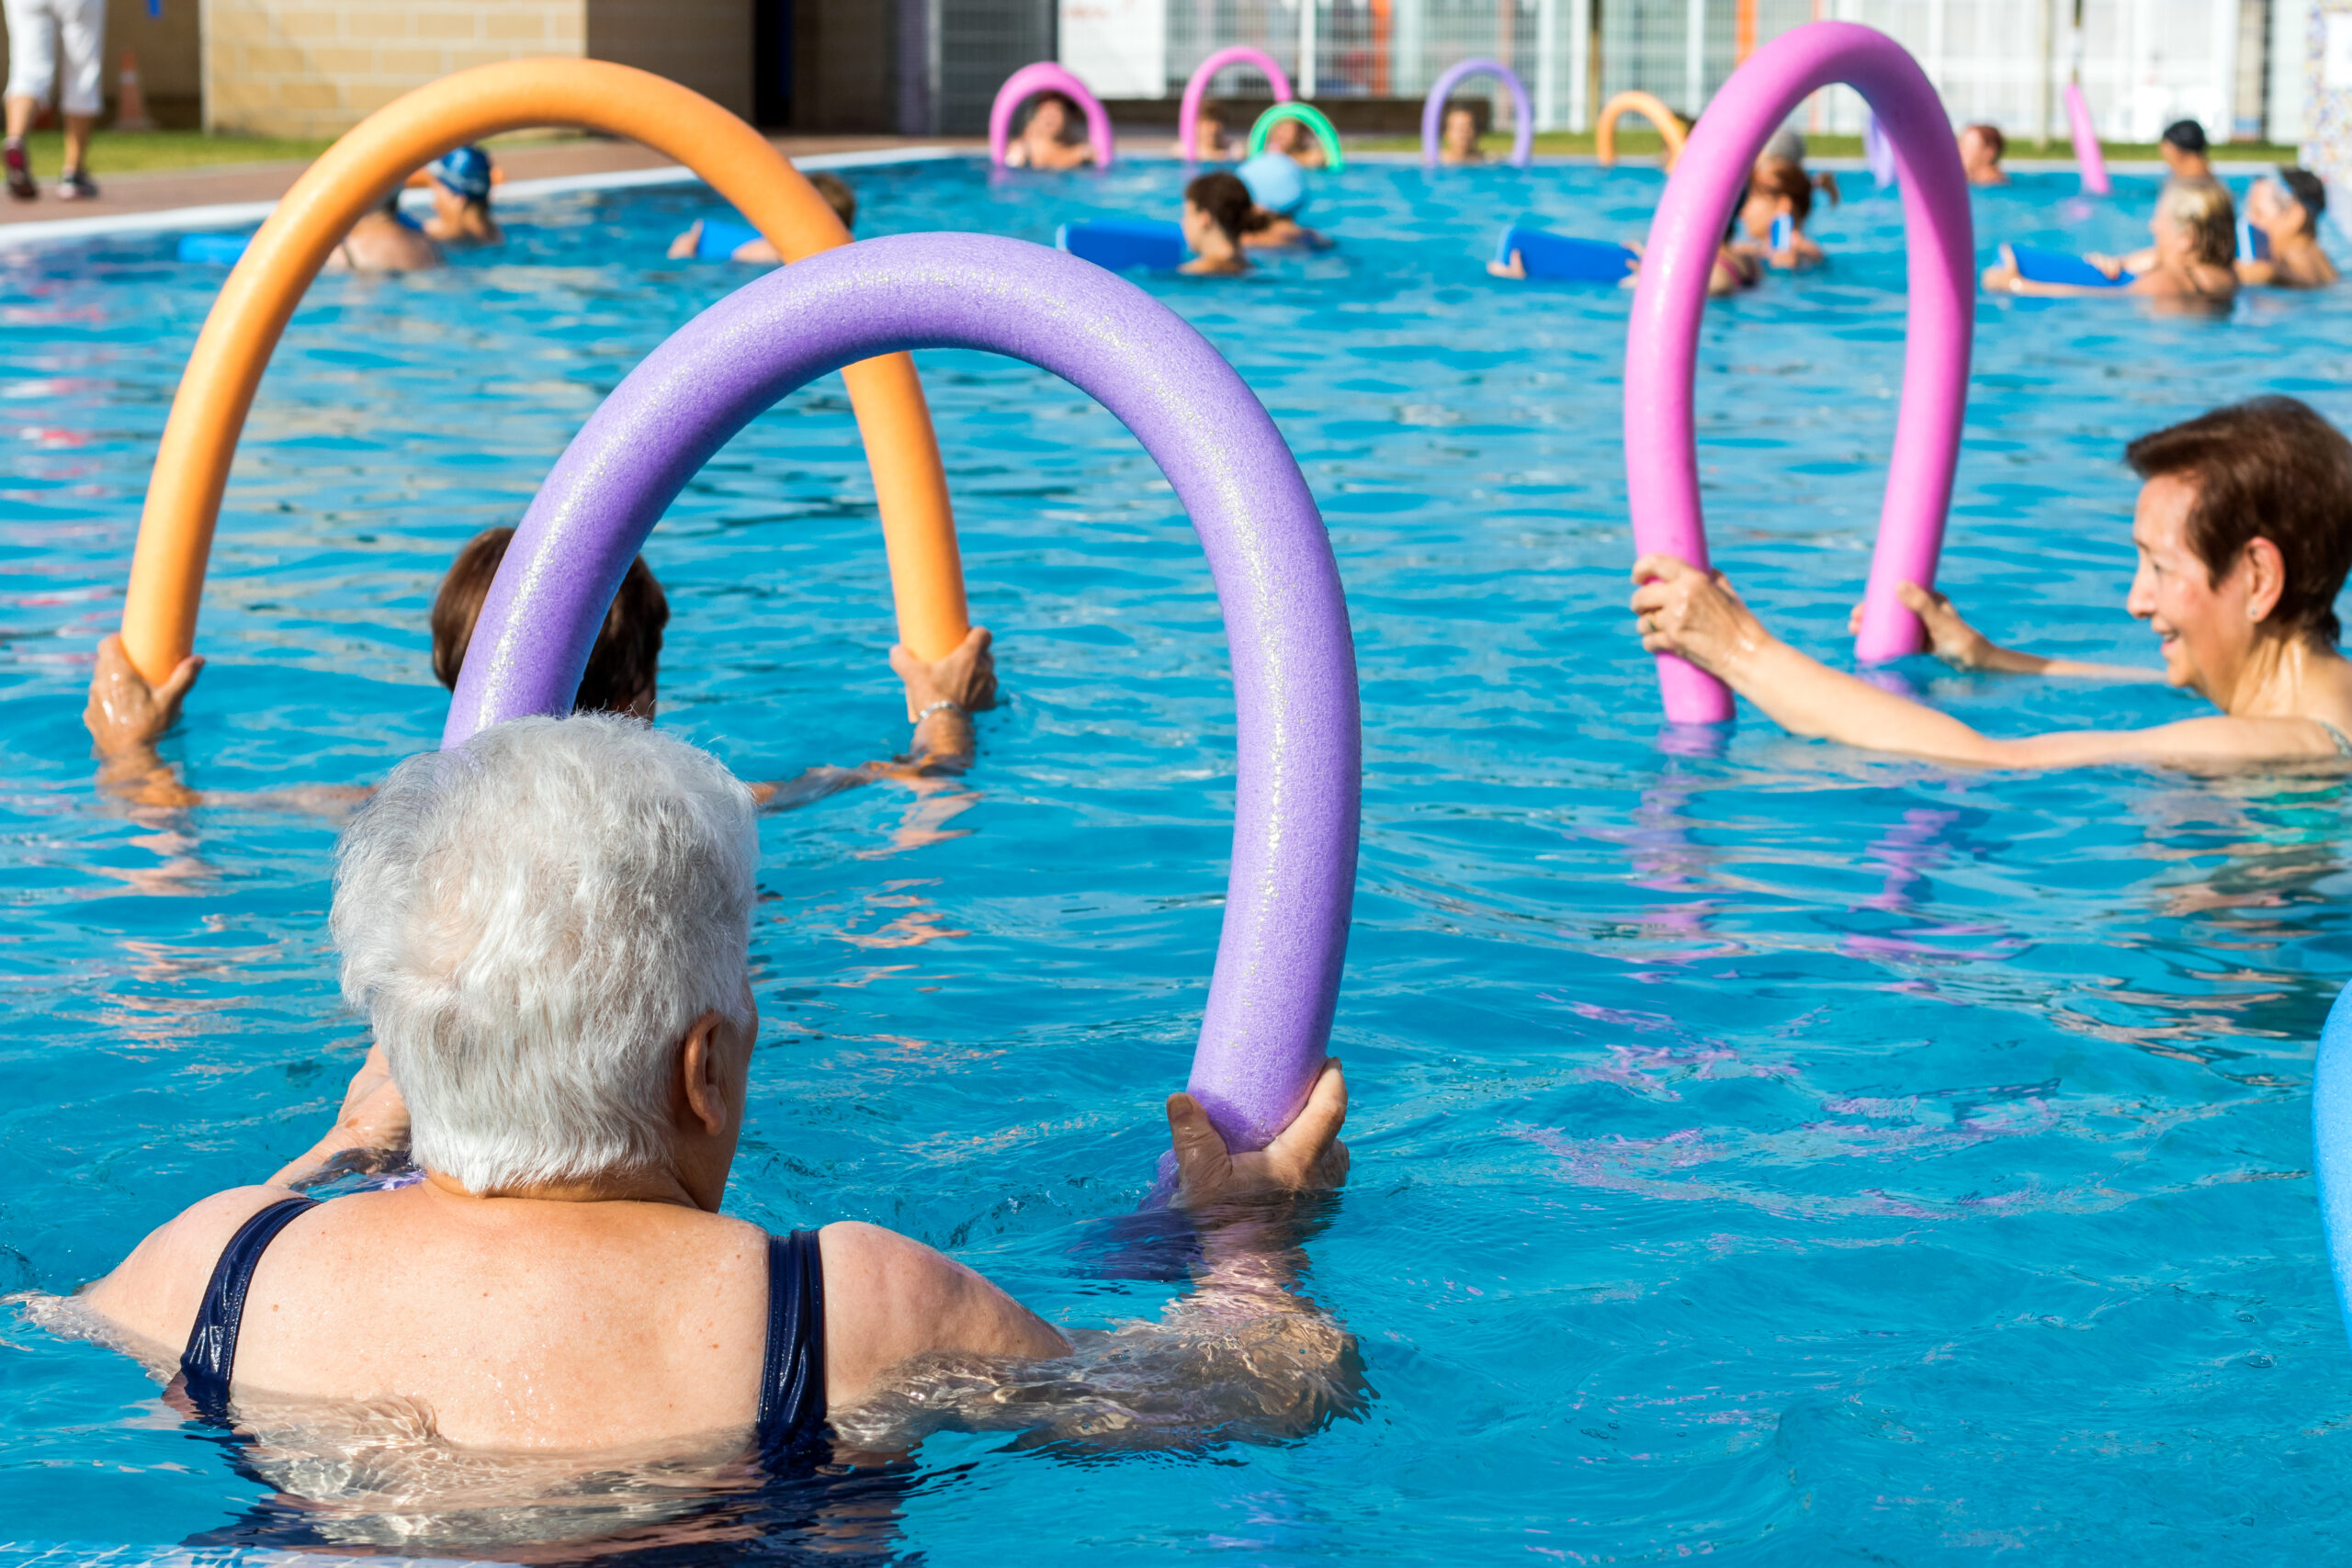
{"x": 792, "y": 1374}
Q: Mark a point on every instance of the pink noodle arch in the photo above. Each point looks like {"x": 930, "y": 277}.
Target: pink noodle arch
{"x": 2088, "y": 154}
{"x": 1522, "y": 136}
{"x": 1198, "y": 87}
{"x": 1045, "y": 76}
{"x": 1662, "y": 340}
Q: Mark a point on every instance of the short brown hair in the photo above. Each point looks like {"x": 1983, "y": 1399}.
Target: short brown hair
{"x": 838, "y": 195}
{"x": 1993, "y": 137}
{"x": 627, "y": 655}
{"x": 2269, "y": 468}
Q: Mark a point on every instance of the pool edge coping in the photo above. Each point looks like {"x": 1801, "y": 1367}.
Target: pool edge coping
{"x": 225, "y": 215}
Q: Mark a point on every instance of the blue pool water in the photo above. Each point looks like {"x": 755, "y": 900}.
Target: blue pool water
{"x": 1762, "y": 1149}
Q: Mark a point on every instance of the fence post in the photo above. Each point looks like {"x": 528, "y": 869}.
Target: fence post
{"x": 1307, "y": 49}
{"x": 1694, "y": 57}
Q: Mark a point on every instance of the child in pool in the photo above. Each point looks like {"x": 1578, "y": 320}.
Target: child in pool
{"x": 461, "y": 181}
{"x": 1208, "y": 144}
{"x": 2286, "y": 207}
{"x": 1277, "y": 189}
{"x": 1778, "y": 193}
{"x": 126, "y": 717}
{"x": 1458, "y": 142}
{"x": 2193, "y": 262}
{"x": 1292, "y": 137}
{"x": 1980, "y": 147}
{"x": 1217, "y": 214}
{"x": 1050, "y": 138}
{"x": 832, "y": 188}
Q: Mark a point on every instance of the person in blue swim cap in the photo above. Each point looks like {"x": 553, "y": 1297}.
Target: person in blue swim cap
{"x": 1277, "y": 188}
{"x": 461, "y": 183}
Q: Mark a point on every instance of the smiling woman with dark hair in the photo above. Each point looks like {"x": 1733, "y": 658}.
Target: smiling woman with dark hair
{"x": 2244, "y": 529}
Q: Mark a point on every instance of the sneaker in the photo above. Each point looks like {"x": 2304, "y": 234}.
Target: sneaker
{"x": 20, "y": 173}
{"x": 76, "y": 186}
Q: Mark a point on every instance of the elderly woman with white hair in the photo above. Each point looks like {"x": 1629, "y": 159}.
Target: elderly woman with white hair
{"x": 547, "y": 930}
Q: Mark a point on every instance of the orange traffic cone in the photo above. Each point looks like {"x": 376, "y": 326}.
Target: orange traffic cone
{"x": 131, "y": 108}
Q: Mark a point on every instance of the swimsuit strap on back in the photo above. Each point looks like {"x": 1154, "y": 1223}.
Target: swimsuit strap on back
{"x": 211, "y": 1350}
{"x": 792, "y": 1380}
{"x": 2342, "y": 742}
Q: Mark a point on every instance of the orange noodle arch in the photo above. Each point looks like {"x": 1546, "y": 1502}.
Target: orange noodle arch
{"x": 374, "y": 158}
{"x": 1669, "y": 126}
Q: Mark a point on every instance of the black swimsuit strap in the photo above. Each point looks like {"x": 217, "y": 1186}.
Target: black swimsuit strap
{"x": 792, "y": 1380}
{"x": 211, "y": 1352}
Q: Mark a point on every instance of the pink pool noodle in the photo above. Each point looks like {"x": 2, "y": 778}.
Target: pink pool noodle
{"x": 2086, "y": 151}
{"x": 1662, "y": 340}
{"x": 1045, "y": 76}
{"x": 1297, "y": 739}
{"x": 1522, "y": 135}
{"x": 1198, "y": 87}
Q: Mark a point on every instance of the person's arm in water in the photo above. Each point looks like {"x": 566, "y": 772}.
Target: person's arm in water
{"x": 126, "y": 717}
{"x": 942, "y": 698}
{"x": 1696, "y": 615}
{"x": 757, "y": 253}
{"x": 1962, "y": 647}
{"x": 959, "y": 1342}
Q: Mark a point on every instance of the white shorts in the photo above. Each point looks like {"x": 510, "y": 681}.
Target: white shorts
{"x": 37, "y": 29}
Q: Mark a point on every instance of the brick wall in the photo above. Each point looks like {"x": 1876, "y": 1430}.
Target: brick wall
{"x": 316, "y": 67}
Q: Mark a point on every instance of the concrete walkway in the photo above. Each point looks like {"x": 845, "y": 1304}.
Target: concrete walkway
{"x": 251, "y": 184}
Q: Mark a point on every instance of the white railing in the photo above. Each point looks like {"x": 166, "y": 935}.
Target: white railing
{"x": 2235, "y": 65}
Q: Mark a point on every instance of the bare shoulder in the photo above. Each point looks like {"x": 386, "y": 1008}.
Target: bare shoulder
{"x": 153, "y": 1294}
{"x": 889, "y": 1298}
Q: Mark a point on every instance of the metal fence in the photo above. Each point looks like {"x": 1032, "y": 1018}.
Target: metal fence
{"x": 2235, "y": 65}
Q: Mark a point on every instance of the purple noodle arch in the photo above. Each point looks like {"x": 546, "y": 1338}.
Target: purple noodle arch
{"x": 1298, "y": 769}
{"x": 1198, "y": 87}
{"x": 1522, "y": 139}
{"x": 1045, "y": 76}
{"x": 1662, "y": 340}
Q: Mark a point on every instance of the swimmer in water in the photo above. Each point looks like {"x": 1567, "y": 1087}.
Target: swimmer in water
{"x": 384, "y": 240}
{"x": 546, "y": 933}
{"x": 2193, "y": 264}
{"x": 461, "y": 187}
{"x": 1458, "y": 142}
{"x": 1216, "y": 216}
{"x": 2243, "y": 529}
{"x": 1292, "y": 137}
{"x": 2187, "y": 154}
{"x": 126, "y": 717}
{"x": 1735, "y": 269}
{"x": 1208, "y": 144}
{"x": 1778, "y": 193}
{"x": 1980, "y": 147}
{"x": 1277, "y": 189}
{"x": 2286, "y": 207}
{"x": 756, "y": 250}
{"x": 1053, "y": 137}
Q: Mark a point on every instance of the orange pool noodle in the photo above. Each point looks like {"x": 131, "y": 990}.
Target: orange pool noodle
{"x": 376, "y": 156}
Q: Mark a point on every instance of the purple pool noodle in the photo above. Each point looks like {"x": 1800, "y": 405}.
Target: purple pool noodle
{"x": 1523, "y": 135}
{"x": 1298, "y": 769}
{"x": 1662, "y": 336}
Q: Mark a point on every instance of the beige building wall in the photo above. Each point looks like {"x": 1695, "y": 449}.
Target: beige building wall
{"x": 317, "y": 67}
{"x": 170, "y": 58}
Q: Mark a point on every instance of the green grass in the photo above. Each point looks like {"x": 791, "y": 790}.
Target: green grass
{"x": 1644, "y": 141}
{"x": 138, "y": 152}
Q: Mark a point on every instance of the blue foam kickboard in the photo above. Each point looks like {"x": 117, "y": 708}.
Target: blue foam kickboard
{"x": 2253, "y": 243}
{"x": 1118, "y": 243}
{"x": 1564, "y": 257}
{"x": 213, "y": 249}
{"x": 2037, "y": 265}
{"x": 720, "y": 238}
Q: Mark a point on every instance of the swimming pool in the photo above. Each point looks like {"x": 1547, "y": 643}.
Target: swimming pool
{"x": 1761, "y": 1149}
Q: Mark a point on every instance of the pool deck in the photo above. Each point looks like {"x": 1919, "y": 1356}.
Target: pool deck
{"x": 235, "y": 187}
